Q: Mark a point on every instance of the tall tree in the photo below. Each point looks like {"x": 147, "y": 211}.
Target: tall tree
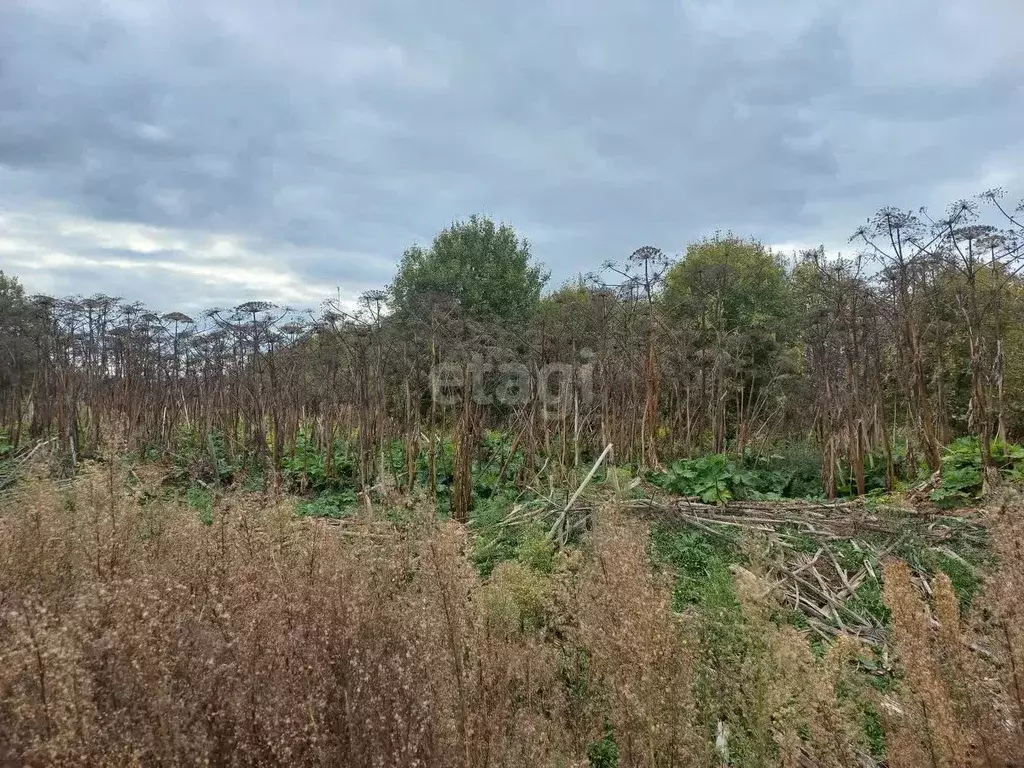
{"x": 484, "y": 268}
{"x": 732, "y": 297}
{"x": 18, "y": 328}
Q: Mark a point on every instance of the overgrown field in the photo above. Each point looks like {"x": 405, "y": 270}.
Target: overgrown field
{"x": 152, "y": 614}
{"x": 721, "y": 508}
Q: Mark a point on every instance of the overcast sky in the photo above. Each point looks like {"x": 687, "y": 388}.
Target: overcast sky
{"x": 206, "y": 152}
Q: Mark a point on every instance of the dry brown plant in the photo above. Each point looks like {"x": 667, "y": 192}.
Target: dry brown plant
{"x": 641, "y": 656}
{"x": 138, "y": 635}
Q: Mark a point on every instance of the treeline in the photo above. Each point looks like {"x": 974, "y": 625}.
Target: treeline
{"x": 878, "y": 360}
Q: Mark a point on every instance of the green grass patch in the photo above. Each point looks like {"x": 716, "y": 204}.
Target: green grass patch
{"x": 333, "y": 505}
{"x": 201, "y": 500}
{"x": 701, "y": 561}
{"x": 495, "y": 543}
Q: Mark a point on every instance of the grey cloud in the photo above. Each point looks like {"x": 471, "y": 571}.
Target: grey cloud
{"x": 359, "y": 127}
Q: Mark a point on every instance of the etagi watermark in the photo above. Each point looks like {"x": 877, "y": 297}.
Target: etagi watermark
{"x": 554, "y": 385}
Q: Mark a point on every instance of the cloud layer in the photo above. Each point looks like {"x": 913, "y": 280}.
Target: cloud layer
{"x": 190, "y": 153}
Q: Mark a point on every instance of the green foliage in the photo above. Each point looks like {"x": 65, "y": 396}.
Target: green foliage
{"x": 729, "y": 283}
{"x": 19, "y": 322}
{"x": 494, "y": 543}
{"x": 605, "y": 752}
{"x": 496, "y": 451}
{"x": 791, "y": 471}
{"x": 334, "y": 505}
{"x": 714, "y": 478}
{"x": 484, "y": 269}
{"x": 718, "y": 478}
{"x": 875, "y": 478}
{"x": 216, "y": 448}
{"x": 444, "y": 467}
{"x": 573, "y": 317}
{"x": 536, "y": 549}
{"x": 201, "y": 500}
{"x": 734, "y": 297}
{"x": 701, "y": 562}
{"x": 965, "y": 577}
{"x": 874, "y": 730}
{"x": 203, "y": 457}
{"x": 305, "y": 468}
{"x": 727, "y": 671}
{"x": 867, "y": 601}
{"x": 255, "y": 479}
{"x": 962, "y": 474}
{"x": 795, "y": 472}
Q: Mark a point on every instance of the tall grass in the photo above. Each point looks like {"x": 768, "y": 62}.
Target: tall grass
{"x": 960, "y": 702}
{"x": 132, "y": 632}
{"x": 139, "y": 635}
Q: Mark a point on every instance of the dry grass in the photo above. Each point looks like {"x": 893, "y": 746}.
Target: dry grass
{"x": 960, "y": 703}
{"x": 641, "y": 657}
{"x": 138, "y": 635}
{"x": 134, "y": 634}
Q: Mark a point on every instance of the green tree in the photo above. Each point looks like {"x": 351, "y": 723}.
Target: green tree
{"x": 484, "y": 269}
{"x": 730, "y": 284}
{"x": 16, "y": 318}
{"x": 731, "y": 299}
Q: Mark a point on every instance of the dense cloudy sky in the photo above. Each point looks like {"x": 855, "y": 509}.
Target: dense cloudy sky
{"x": 199, "y": 152}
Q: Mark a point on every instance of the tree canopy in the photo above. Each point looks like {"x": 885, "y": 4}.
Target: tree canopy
{"x": 484, "y": 269}
{"x": 728, "y": 283}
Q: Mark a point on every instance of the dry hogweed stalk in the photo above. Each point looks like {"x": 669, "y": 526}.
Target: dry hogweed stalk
{"x": 970, "y": 678}
{"x": 960, "y": 702}
{"x": 924, "y": 725}
{"x": 1002, "y": 632}
{"x": 641, "y": 657}
{"x": 807, "y": 719}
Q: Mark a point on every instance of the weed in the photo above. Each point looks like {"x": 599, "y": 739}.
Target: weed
{"x": 604, "y": 753}
{"x": 202, "y": 457}
{"x": 964, "y": 577}
{"x": 334, "y": 505}
{"x": 962, "y": 473}
{"x": 201, "y": 500}
{"x": 714, "y": 478}
{"x": 306, "y": 468}
{"x": 868, "y": 601}
{"x": 495, "y": 542}
{"x": 701, "y": 562}
{"x": 874, "y": 729}
{"x": 718, "y": 478}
